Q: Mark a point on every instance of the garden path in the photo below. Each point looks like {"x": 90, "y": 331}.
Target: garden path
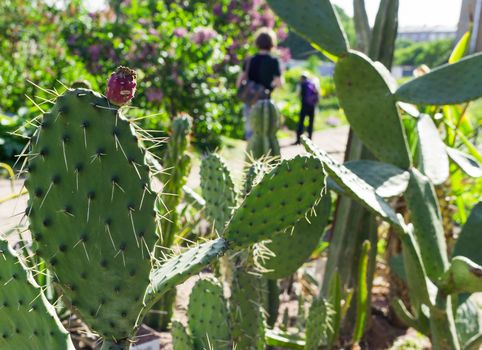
{"x": 332, "y": 140}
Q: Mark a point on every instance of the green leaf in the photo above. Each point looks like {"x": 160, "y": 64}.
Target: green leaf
{"x": 355, "y": 187}
{"x": 460, "y": 48}
{"x": 463, "y": 276}
{"x": 446, "y": 85}
{"x": 315, "y": 20}
{"x": 386, "y": 179}
{"x": 433, "y": 158}
{"x": 465, "y": 161}
{"x": 364, "y": 89}
{"x": 469, "y": 242}
{"x": 427, "y": 222}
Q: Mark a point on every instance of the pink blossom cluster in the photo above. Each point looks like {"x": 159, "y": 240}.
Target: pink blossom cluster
{"x": 203, "y": 34}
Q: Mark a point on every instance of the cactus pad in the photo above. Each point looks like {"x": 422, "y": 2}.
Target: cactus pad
{"x": 208, "y": 315}
{"x": 180, "y": 339}
{"x": 319, "y": 324}
{"x": 449, "y": 84}
{"x": 463, "y": 276}
{"x": 354, "y": 186}
{"x": 91, "y": 210}
{"x": 469, "y": 242}
{"x": 465, "y": 161}
{"x": 315, "y": 20}
{"x": 28, "y": 320}
{"x": 387, "y": 180}
{"x": 218, "y": 190}
{"x": 247, "y": 317}
{"x": 179, "y": 268}
{"x": 290, "y": 251}
{"x": 426, "y": 218}
{"x": 264, "y": 118}
{"x": 278, "y": 201}
{"x": 433, "y": 158}
{"x": 365, "y": 92}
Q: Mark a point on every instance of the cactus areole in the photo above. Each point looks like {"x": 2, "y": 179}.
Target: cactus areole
{"x": 121, "y": 86}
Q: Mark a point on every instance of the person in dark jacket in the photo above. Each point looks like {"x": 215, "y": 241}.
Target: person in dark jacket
{"x": 309, "y": 96}
{"x": 262, "y": 68}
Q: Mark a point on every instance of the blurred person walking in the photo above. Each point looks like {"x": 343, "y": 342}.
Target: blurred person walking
{"x": 261, "y": 74}
{"x": 309, "y": 95}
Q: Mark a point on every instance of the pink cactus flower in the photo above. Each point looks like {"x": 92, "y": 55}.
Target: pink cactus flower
{"x": 121, "y": 86}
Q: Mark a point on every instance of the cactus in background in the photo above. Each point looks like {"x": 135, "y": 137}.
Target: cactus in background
{"x": 176, "y": 165}
{"x": 275, "y": 196}
{"x": 28, "y": 320}
{"x": 265, "y": 122}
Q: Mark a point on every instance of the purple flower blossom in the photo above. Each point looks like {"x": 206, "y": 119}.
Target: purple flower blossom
{"x": 180, "y": 32}
{"x": 154, "y": 95}
{"x": 203, "y": 34}
{"x": 284, "y": 54}
{"x": 218, "y": 9}
{"x": 94, "y": 52}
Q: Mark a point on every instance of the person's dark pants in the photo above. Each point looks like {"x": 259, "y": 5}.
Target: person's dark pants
{"x": 306, "y": 111}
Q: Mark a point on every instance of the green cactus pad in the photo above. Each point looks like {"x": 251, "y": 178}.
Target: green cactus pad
{"x": 264, "y": 118}
{"x": 426, "y": 218}
{"x": 433, "y": 158}
{"x": 218, "y": 190}
{"x": 463, "y": 276}
{"x": 180, "y": 339}
{"x": 247, "y": 318}
{"x": 449, "y": 84}
{"x": 208, "y": 315}
{"x": 469, "y": 242}
{"x": 91, "y": 210}
{"x": 467, "y": 321}
{"x": 177, "y": 269}
{"x": 318, "y": 324}
{"x": 465, "y": 161}
{"x": 255, "y": 173}
{"x": 315, "y": 20}
{"x": 354, "y": 186}
{"x": 28, "y": 320}
{"x": 289, "y": 251}
{"x": 364, "y": 89}
{"x": 387, "y": 180}
{"x": 279, "y": 200}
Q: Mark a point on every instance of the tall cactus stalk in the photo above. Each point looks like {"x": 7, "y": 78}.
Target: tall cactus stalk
{"x": 176, "y": 164}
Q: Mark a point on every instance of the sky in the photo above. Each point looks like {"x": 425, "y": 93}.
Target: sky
{"x": 412, "y": 12}
{"x": 415, "y": 12}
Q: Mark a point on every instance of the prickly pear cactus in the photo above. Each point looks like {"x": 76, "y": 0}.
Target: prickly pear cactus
{"x": 28, "y": 320}
{"x": 318, "y": 325}
{"x": 449, "y": 84}
{"x": 287, "y": 252}
{"x": 247, "y": 317}
{"x": 218, "y": 190}
{"x": 278, "y": 201}
{"x": 176, "y": 164}
{"x": 91, "y": 210}
{"x": 208, "y": 315}
{"x": 365, "y": 92}
{"x": 265, "y": 122}
{"x": 181, "y": 340}
{"x": 316, "y": 21}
